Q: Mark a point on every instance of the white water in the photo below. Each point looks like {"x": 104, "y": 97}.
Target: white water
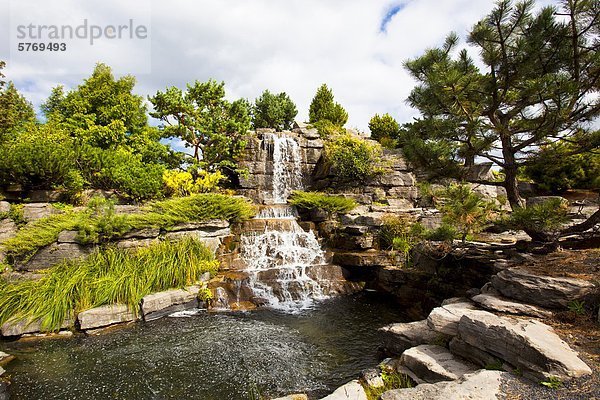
{"x": 287, "y": 166}
{"x": 278, "y": 261}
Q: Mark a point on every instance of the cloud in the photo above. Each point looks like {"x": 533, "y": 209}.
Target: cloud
{"x": 252, "y": 45}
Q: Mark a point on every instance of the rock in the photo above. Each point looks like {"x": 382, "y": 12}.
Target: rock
{"x": 537, "y": 200}
{"x": 397, "y": 178}
{"x": 500, "y": 304}
{"x": 369, "y": 258}
{"x": 445, "y": 319}
{"x": 473, "y": 354}
{"x": 367, "y": 219}
{"x": 8, "y": 229}
{"x": 4, "y": 207}
{"x": 293, "y": 397}
{"x": 350, "y": 391}
{"x": 544, "y": 291}
{"x": 5, "y": 358}
{"x": 372, "y": 378}
{"x": 356, "y": 230}
{"x": 55, "y": 254}
{"x": 147, "y": 233}
{"x": 481, "y": 385}
{"x": 135, "y": 243}
{"x": 158, "y": 305}
{"x": 2, "y": 371}
{"x": 127, "y": 209}
{"x": 434, "y": 363}
{"x": 20, "y": 327}
{"x": 35, "y": 211}
{"x": 103, "y": 316}
{"x": 68, "y": 237}
{"x": 526, "y": 344}
{"x": 401, "y": 336}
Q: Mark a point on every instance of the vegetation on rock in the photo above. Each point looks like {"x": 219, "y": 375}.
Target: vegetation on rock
{"x": 321, "y": 201}
{"x": 324, "y": 108}
{"x": 353, "y": 159}
{"x": 384, "y": 128}
{"x": 275, "y": 111}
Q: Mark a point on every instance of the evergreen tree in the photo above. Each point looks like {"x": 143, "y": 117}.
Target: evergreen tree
{"x": 323, "y": 108}
{"x": 15, "y": 111}
{"x": 384, "y": 126}
{"x": 274, "y": 111}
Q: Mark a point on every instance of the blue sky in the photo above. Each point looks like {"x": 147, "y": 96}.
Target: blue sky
{"x": 356, "y": 47}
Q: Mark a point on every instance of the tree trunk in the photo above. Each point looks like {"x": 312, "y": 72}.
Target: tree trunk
{"x": 510, "y": 174}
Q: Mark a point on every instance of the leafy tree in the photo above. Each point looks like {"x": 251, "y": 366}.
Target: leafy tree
{"x": 205, "y": 121}
{"x": 539, "y": 82}
{"x": 323, "y": 108}
{"x": 384, "y": 126}
{"x": 274, "y": 111}
{"x": 15, "y": 110}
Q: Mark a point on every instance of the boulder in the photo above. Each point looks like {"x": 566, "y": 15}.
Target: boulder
{"x": 445, "y": 319}
{"x": 350, "y": 391}
{"x": 537, "y": 200}
{"x": 500, "y": 304}
{"x": 158, "y": 305}
{"x": 528, "y": 345}
{"x": 544, "y": 291}
{"x": 104, "y": 316}
{"x": 481, "y": 385}
{"x": 55, "y": 254}
{"x": 4, "y": 207}
{"x": 401, "y": 336}
{"x": 473, "y": 354}
{"x": 434, "y": 363}
{"x": 372, "y": 378}
{"x": 367, "y": 219}
{"x": 369, "y": 258}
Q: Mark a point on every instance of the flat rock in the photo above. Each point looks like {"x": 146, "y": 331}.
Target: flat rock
{"x": 471, "y": 353}
{"x": 211, "y": 225}
{"x": 18, "y": 327}
{"x": 103, "y": 316}
{"x": 544, "y": 291}
{"x": 68, "y": 237}
{"x": 8, "y": 229}
{"x": 147, "y": 233}
{"x": 434, "y": 363}
{"x": 526, "y": 344}
{"x": 445, "y": 319}
{"x": 500, "y": 304}
{"x": 367, "y": 219}
{"x": 363, "y": 259}
{"x": 401, "y": 336}
{"x": 55, "y": 254}
{"x": 481, "y": 385}
{"x": 35, "y": 211}
{"x": 157, "y": 305}
{"x": 350, "y": 391}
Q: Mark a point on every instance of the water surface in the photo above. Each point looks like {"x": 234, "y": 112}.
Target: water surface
{"x": 209, "y": 356}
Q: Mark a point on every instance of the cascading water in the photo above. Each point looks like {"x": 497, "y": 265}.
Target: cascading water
{"x": 279, "y": 261}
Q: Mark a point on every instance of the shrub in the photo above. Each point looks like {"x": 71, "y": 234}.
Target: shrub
{"x": 354, "y": 159}
{"x": 545, "y": 218}
{"x": 323, "y": 107}
{"x": 384, "y": 127}
{"x": 321, "y": 201}
{"x": 275, "y": 111}
{"x": 328, "y": 129}
{"x": 101, "y": 223}
{"x": 108, "y": 276}
{"x": 394, "y": 226}
{"x": 443, "y": 233}
{"x": 182, "y": 183}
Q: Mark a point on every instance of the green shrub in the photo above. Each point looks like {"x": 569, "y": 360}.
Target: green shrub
{"x": 384, "y": 126}
{"x": 394, "y": 226}
{"x": 321, "y": 201}
{"x": 546, "y": 218}
{"x": 323, "y": 107}
{"x": 391, "y": 380}
{"x": 328, "y": 129}
{"x": 102, "y": 223}
{"x": 108, "y": 276}
{"x": 443, "y": 233}
{"x": 353, "y": 159}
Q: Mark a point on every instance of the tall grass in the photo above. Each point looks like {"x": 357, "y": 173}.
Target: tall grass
{"x": 321, "y": 201}
{"x": 108, "y": 276}
{"x": 99, "y": 222}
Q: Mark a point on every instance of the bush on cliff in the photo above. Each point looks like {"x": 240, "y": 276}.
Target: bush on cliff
{"x": 353, "y": 159}
{"x": 321, "y": 201}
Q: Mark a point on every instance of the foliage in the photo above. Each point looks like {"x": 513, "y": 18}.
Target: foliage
{"x": 545, "y": 218}
{"x": 321, "y": 201}
{"x": 15, "y": 111}
{"x": 577, "y": 307}
{"x": 99, "y": 222}
{"x": 328, "y": 129}
{"x": 352, "y": 158}
{"x": 40, "y": 157}
{"x": 392, "y": 380}
{"x": 394, "y": 226}
{"x": 553, "y": 383}
{"x": 465, "y": 210}
{"x": 108, "y": 276}
{"x": 205, "y": 121}
{"x": 443, "y": 233}
{"x": 323, "y": 107}
{"x": 275, "y": 111}
{"x": 538, "y": 82}
{"x": 383, "y": 127}
{"x": 556, "y": 169}
{"x": 182, "y": 183}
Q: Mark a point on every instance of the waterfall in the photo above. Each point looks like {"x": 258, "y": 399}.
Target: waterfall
{"x": 287, "y": 166}
{"x": 279, "y": 260}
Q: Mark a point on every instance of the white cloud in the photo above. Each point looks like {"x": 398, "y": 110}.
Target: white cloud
{"x": 281, "y": 45}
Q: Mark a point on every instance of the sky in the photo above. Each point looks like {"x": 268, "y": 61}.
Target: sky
{"x": 357, "y": 47}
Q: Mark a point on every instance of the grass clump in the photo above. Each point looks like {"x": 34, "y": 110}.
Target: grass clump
{"x": 108, "y": 276}
{"x": 391, "y": 380}
{"x": 321, "y": 201}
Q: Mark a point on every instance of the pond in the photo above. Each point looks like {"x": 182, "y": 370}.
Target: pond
{"x": 259, "y": 354}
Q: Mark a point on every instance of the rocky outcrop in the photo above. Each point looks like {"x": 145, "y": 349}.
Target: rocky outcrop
{"x": 432, "y": 363}
{"x": 481, "y": 385}
{"x": 401, "y": 336}
{"x": 497, "y": 303}
{"x": 371, "y": 258}
{"x": 158, "y": 305}
{"x": 55, "y": 254}
{"x": 543, "y": 291}
{"x": 350, "y": 391}
{"x": 104, "y": 316}
{"x": 529, "y": 345}
{"x": 445, "y": 319}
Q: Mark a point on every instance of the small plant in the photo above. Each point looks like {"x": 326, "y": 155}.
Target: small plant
{"x": 353, "y": 159}
{"x": 394, "y": 226}
{"x": 205, "y": 295}
{"x": 391, "y": 380}
{"x": 577, "y": 307}
{"x": 495, "y": 366}
{"x": 553, "y": 383}
{"x": 16, "y": 214}
{"x": 443, "y": 233}
{"x": 542, "y": 220}
{"x": 321, "y": 201}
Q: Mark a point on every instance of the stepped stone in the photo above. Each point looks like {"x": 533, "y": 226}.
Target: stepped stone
{"x": 370, "y": 258}
{"x": 434, "y": 363}
{"x": 350, "y": 391}
{"x": 367, "y": 219}
{"x": 500, "y": 304}
{"x": 481, "y": 385}
{"x": 526, "y": 344}
{"x": 103, "y": 316}
{"x": 8, "y": 229}
{"x": 543, "y": 291}
{"x": 20, "y": 327}
{"x": 158, "y": 305}
{"x": 55, "y": 254}
{"x": 445, "y": 319}
{"x": 473, "y": 354}
{"x": 35, "y": 211}
{"x": 401, "y": 336}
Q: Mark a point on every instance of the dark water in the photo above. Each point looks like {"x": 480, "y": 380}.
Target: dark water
{"x": 209, "y": 356}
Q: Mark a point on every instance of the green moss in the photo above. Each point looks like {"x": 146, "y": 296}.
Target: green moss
{"x": 321, "y": 201}
{"x": 108, "y": 276}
